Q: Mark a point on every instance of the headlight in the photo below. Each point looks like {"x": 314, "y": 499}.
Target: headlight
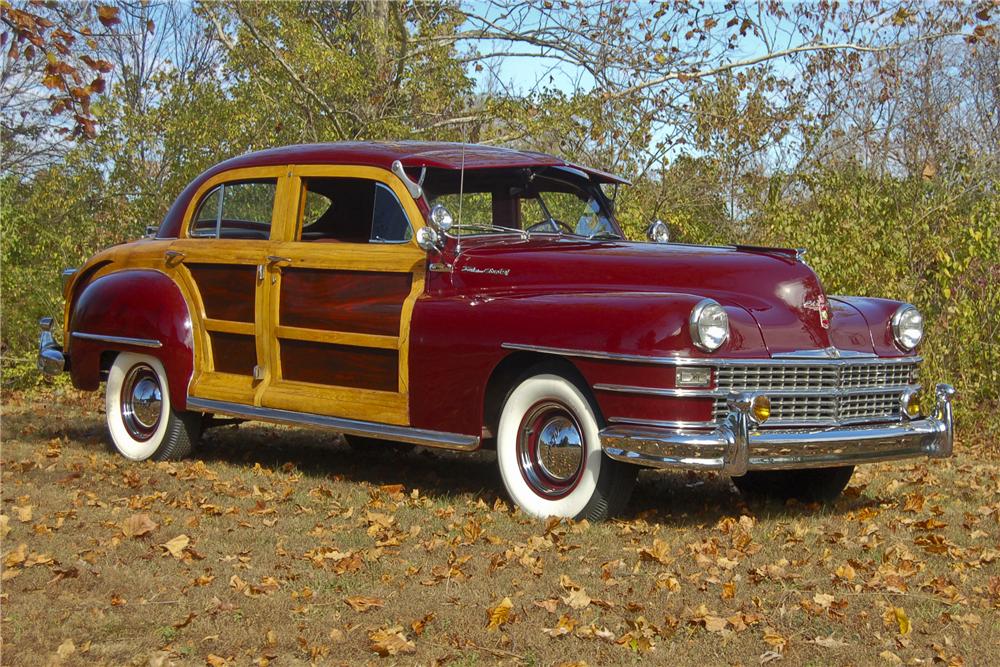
{"x": 709, "y": 325}
{"x": 907, "y": 327}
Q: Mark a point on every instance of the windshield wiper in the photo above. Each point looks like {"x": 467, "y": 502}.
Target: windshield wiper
{"x": 489, "y": 227}
{"x": 603, "y": 235}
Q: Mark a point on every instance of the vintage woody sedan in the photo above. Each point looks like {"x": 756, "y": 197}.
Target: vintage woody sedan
{"x": 463, "y": 296}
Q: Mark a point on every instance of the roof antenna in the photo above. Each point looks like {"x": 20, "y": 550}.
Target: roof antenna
{"x": 461, "y": 196}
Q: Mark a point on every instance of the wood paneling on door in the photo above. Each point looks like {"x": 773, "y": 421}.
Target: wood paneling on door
{"x": 227, "y": 290}
{"x": 340, "y": 365}
{"x": 366, "y": 302}
{"x": 233, "y": 353}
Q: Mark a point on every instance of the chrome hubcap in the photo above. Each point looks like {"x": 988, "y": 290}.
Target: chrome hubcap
{"x": 142, "y": 402}
{"x": 560, "y": 448}
{"x": 551, "y": 449}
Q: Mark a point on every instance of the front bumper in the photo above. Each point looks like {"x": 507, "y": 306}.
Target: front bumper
{"x": 51, "y": 360}
{"x": 734, "y": 447}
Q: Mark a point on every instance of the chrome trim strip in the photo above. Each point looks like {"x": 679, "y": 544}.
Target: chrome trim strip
{"x": 721, "y": 393}
{"x": 119, "y": 340}
{"x": 408, "y": 434}
{"x": 706, "y": 361}
{"x": 732, "y": 448}
{"x": 659, "y": 391}
{"x": 656, "y": 423}
{"x": 826, "y": 353}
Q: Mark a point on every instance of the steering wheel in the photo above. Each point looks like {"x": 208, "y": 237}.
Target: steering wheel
{"x": 552, "y": 224}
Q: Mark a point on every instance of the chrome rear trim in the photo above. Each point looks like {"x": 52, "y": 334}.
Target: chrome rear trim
{"x": 118, "y": 340}
{"x": 414, "y": 436}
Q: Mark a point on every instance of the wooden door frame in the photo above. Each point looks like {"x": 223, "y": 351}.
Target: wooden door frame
{"x": 205, "y": 381}
{"x": 349, "y": 402}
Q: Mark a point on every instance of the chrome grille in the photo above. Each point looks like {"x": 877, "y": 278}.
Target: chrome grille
{"x": 806, "y": 394}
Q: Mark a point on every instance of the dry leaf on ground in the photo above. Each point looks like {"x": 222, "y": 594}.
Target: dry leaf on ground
{"x": 362, "y": 603}
{"x": 138, "y": 525}
{"x": 390, "y": 641}
{"x": 499, "y": 615}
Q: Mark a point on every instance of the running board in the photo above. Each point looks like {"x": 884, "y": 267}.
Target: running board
{"x": 415, "y": 436}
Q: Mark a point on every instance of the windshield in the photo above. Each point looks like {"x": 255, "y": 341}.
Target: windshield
{"x": 550, "y": 200}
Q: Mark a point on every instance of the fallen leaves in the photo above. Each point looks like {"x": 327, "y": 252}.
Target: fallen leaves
{"x": 564, "y": 626}
{"x": 659, "y": 552}
{"x": 897, "y": 616}
{"x": 361, "y": 603}
{"x": 139, "y": 525}
{"x": 577, "y": 598}
{"x": 390, "y": 641}
{"x": 177, "y": 546}
{"x": 499, "y": 615}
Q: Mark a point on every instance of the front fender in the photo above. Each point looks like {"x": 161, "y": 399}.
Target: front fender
{"x": 457, "y": 341}
{"x": 877, "y": 313}
{"x": 138, "y": 304}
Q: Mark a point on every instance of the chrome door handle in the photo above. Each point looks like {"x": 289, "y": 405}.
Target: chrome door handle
{"x": 275, "y": 259}
{"x": 173, "y": 256}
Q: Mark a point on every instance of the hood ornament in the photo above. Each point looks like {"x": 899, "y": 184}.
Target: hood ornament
{"x": 821, "y": 306}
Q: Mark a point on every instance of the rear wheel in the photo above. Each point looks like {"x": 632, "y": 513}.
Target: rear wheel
{"x": 810, "y": 485}
{"x": 141, "y": 422}
{"x": 550, "y": 455}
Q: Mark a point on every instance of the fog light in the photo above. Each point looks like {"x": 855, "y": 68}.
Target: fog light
{"x": 909, "y": 404}
{"x": 760, "y": 410}
{"x": 694, "y": 376}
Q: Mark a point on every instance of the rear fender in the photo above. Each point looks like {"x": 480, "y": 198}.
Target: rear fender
{"x": 139, "y": 304}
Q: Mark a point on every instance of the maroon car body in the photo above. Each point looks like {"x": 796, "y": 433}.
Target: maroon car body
{"x": 790, "y": 378}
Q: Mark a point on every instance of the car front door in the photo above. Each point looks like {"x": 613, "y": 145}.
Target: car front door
{"x": 220, "y": 260}
{"x": 341, "y": 289}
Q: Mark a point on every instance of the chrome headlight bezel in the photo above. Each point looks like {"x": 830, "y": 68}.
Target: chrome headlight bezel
{"x": 905, "y": 321}
{"x": 707, "y": 315}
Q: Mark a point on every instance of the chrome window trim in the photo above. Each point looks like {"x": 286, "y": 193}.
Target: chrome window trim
{"x": 708, "y": 361}
{"x": 118, "y": 340}
{"x": 416, "y": 436}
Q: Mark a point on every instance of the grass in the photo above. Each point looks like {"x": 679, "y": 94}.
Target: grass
{"x": 283, "y": 526}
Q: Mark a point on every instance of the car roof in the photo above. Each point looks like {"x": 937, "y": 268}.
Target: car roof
{"x": 411, "y": 154}
{"x": 431, "y": 154}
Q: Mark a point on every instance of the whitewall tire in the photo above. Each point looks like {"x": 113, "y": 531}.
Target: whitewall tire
{"x": 141, "y": 422}
{"x": 550, "y": 457}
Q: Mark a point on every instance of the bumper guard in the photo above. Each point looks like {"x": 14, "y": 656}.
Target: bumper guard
{"x": 735, "y": 447}
{"x": 51, "y": 360}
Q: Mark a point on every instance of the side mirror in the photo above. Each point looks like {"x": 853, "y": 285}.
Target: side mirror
{"x": 658, "y": 232}
{"x": 428, "y": 238}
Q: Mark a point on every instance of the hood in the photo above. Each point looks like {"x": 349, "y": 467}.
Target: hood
{"x": 782, "y": 294}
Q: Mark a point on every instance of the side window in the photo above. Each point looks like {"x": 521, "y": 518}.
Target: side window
{"x": 240, "y": 210}
{"x": 389, "y": 223}
{"x": 351, "y": 210}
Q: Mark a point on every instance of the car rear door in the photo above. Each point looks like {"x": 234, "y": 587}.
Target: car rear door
{"x": 220, "y": 261}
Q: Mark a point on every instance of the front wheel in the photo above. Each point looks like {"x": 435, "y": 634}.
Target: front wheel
{"x": 810, "y": 485}
{"x": 141, "y": 422}
{"x": 550, "y": 455}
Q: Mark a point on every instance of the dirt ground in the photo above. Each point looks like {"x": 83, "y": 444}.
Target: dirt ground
{"x": 281, "y": 546}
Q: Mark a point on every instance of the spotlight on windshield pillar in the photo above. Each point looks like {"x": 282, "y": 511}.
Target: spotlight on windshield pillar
{"x": 441, "y": 218}
{"x": 658, "y": 232}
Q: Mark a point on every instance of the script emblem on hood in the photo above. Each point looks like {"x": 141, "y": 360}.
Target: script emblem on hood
{"x": 822, "y": 306}
{"x": 489, "y": 270}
